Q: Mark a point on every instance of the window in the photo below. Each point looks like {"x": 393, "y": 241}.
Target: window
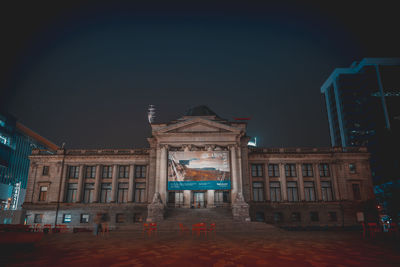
{"x": 67, "y": 218}
{"x": 90, "y": 172}
{"x": 43, "y": 193}
{"x": 275, "y": 191}
{"x": 84, "y": 218}
{"x": 71, "y": 192}
{"x": 260, "y": 216}
{"x": 290, "y": 170}
{"x": 273, "y": 170}
{"x": 296, "y": 217}
{"x": 139, "y": 192}
{"x": 278, "y": 217}
{"x": 45, "y": 170}
{"x": 356, "y": 191}
{"x": 140, "y": 171}
{"x": 292, "y": 191}
{"x": 176, "y": 198}
{"x": 120, "y": 218}
{"x": 257, "y": 170}
{"x": 88, "y": 193}
{"x": 307, "y": 170}
{"x": 323, "y": 170}
{"x": 314, "y": 216}
{"x": 123, "y": 172}
{"x": 107, "y": 172}
{"x": 258, "y": 191}
{"x": 326, "y": 188}
{"x": 221, "y": 196}
{"x": 73, "y": 171}
{"x": 105, "y": 194}
{"x": 122, "y": 193}
{"x": 137, "y": 217}
{"x": 332, "y": 216}
{"x": 309, "y": 191}
{"x": 38, "y": 218}
{"x": 352, "y": 168}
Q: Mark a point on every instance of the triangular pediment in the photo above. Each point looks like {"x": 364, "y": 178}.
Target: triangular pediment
{"x": 198, "y": 125}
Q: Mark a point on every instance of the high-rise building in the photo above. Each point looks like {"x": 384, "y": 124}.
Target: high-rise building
{"x": 363, "y": 108}
{"x": 16, "y": 144}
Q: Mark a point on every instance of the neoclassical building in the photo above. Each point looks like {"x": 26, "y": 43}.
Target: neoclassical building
{"x": 199, "y": 161}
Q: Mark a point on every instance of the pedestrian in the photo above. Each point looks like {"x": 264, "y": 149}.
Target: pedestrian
{"x": 97, "y": 224}
{"x": 105, "y": 218}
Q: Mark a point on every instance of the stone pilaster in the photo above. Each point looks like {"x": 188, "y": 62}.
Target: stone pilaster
{"x": 318, "y": 183}
{"x": 97, "y": 184}
{"x": 131, "y": 184}
{"x": 282, "y": 179}
{"x": 63, "y": 183}
{"x": 266, "y": 180}
{"x": 80, "y": 184}
{"x": 163, "y": 174}
{"x": 301, "y": 182}
{"x": 114, "y": 183}
{"x": 235, "y": 178}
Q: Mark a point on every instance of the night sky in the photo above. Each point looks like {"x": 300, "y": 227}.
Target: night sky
{"x": 85, "y": 72}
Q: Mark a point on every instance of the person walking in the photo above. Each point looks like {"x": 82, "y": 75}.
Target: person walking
{"x": 105, "y": 218}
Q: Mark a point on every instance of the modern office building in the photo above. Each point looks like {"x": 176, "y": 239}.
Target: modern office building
{"x": 199, "y": 161}
{"x": 363, "y": 107}
{"x": 16, "y": 144}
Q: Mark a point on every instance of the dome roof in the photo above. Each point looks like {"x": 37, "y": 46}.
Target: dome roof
{"x": 200, "y": 111}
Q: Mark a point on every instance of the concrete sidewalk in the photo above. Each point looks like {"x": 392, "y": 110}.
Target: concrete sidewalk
{"x": 271, "y": 248}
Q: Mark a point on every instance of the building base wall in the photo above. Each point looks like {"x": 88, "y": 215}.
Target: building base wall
{"x": 118, "y": 214}
{"x": 332, "y": 214}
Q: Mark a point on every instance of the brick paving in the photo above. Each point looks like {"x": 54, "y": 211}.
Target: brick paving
{"x": 274, "y": 247}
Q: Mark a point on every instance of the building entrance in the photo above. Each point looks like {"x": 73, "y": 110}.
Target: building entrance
{"x": 198, "y": 200}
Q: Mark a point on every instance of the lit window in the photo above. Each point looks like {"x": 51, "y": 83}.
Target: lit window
{"x": 38, "y": 218}
{"x": 352, "y": 168}
{"x": 90, "y": 172}
{"x": 67, "y": 218}
{"x": 323, "y": 170}
{"x": 107, "y": 171}
{"x": 84, "y": 218}
{"x": 42, "y": 193}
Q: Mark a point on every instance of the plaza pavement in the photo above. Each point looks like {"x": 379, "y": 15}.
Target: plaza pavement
{"x": 274, "y": 247}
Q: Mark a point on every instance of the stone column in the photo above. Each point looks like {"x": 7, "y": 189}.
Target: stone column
{"x": 163, "y": 174}
{"x": 240, "y": 184}
{"x": 63, "y": 183}
{"x": 282, "y": 179}
{"x": 210, "y": 199}
{"x": 186, "y": 198}
{"x": 97, "y": 184}
{"x": 318, "y": 183}
{"x": 234, "y": 189}
{"x": 114, "y": 184}
{"x": 301, "y": 183}
{"x": 80, "y": 184}
{"x": 131, "y": 184}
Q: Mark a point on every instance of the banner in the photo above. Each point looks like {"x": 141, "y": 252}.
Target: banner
{"x": 198, "y": 170}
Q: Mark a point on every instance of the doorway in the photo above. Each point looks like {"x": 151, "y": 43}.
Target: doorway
{"x": 198, "y": 200}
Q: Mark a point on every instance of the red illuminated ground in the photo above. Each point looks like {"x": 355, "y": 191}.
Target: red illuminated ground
{"x": 272, "y": 248}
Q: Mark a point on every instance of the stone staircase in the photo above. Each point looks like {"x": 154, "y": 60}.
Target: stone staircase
{"x": 222, "y": 217}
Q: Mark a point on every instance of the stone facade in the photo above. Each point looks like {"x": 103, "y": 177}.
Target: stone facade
{"x": 131, "y": 184}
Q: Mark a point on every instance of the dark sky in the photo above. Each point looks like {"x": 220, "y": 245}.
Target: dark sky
{"x": 85, "y": 72}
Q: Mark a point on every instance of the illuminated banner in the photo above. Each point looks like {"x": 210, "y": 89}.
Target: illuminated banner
{"x": 198, "y": 170}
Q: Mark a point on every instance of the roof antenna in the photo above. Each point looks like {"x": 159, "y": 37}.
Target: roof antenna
{"x": 151, "y": 113}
